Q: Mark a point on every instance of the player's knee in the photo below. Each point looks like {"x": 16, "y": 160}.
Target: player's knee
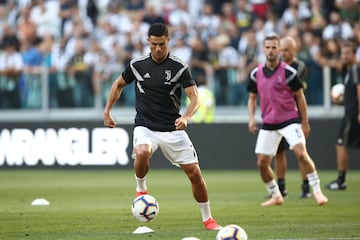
{"x": 143, "y": 151}
{"x": 194, "y": 174}
{"x": 262, "y": 163}
{"x": 143, "y": 154}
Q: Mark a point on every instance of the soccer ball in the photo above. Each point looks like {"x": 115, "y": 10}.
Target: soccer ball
{"x": 145, "y": 208}
{"x": 337, "y": 93}
{"x": 232, "y": 232}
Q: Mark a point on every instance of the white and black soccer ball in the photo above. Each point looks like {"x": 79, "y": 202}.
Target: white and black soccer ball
{"x": 231, "y": 232}
{"x": 145, "y": 208}
{"x": 337, "y": 93}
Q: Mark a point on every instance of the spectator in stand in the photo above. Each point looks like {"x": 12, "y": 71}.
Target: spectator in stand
{"x": 182, "y": 49}
{"x": 65, "y": 13}
{"x": 330, "y": 54}
{"x": 32, "y": 72}
{"x": 207, "y": 24}
{"x": 79, "y": 71}
{"x": 11, "y": 65}
{"x": 259, "y": 7}
{"x": 152, "y": 14}
{"x": 199, "y": 63}
{"x": 46, "y": 18}
{"x": 337, "y": 28}
{"x": 64, "y": 84}
{"x": 118, "y": 18}
{"x": 295, "y": 12}
{"x": 310, "y": 53}
{"x": 225, "y": 69}
{"x": 247, "y": 61}
{"x": 244, "y": 16}
{"x": 180, "y": 16}
{"x": 105, "y": 72}
{"x": 26, "y": 27}
{"x": 349, "y": 10}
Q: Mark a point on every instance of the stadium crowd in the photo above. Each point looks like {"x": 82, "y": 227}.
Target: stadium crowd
{"x": 81, "y": 46}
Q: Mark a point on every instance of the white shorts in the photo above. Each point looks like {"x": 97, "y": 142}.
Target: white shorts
{"x": 176, "y": 145}
{"x": 268, "y": 140}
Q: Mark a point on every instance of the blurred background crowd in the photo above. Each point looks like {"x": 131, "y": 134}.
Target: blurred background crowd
{"x": 71, "y": 50}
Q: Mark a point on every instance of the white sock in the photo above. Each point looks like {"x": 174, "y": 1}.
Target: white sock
{"x": 205, "y": 210}
{"x": 314, "y": 181}
{"x": 273, "y": 188}
{"x": 140, "y": 184}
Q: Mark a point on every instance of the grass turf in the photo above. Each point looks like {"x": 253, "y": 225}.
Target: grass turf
{"x": 95, "y": 204}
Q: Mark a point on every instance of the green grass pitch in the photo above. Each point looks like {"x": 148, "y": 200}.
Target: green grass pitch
{"x": 95, "y": 204}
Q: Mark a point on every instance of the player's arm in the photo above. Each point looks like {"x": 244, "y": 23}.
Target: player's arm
{"x": 302, "y": 106}
{"x": 194, "y": 103}
{"x": 298, "y": 89}
{"x": 251, "y": 105}
{"x": 114, "y": 95}
{"x": 358, "y": 100}
{"x": 251, "y": 109}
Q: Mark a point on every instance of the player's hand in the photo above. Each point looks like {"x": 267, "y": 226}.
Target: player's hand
{"x": 109, "y": 121}
{"x": 306, "y": 128}
{"x": 181, "y": 123}
{"x": 252, "y": 126}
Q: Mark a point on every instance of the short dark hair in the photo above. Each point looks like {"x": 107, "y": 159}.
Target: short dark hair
{"x": 158, "y": 30}
{"x": 351, "y": 45}
{"x": 272, "y": 37}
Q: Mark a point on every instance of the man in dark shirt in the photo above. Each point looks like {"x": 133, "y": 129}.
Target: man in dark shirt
{"x": 349, "y": 132}
{"x": 159, "y": 78}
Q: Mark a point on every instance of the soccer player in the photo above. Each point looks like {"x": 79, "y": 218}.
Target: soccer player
{"x": 277, "y": 84}
{"x": 159, "y": 77}
{"x": 349, "y": 132}
{"x": 288, "y": 51}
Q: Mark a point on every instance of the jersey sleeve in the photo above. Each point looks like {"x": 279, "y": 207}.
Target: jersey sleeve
{"x": 128, "y": 74}
{"x": 186, "y": 78}
{"x": 252, "y": 86}
{"x": 292, "y": 78}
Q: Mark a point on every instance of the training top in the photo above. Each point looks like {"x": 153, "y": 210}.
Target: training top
{"x": 352, "y": 79}
{"x": 276, "y": 94}
{"x": 158, "y": 90}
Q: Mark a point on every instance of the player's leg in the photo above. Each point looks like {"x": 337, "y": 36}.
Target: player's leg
{"x": 179, "y": 150}
{"x": 142, "y": 152}
{"x": 296, "y": 139}
{"x": 267, "y": 176}
{"x": 348, "y": 133}
{"x": 342, "y": 159}
{"x": 280, "y": 165}
{"x": 266, "y": 145}
{"x": 305, "y": 187}
{"x": 141, "y": 167}
{"x": 311, "y": 172}
{"x": 200, "y": 193}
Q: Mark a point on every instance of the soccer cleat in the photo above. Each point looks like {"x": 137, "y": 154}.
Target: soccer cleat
{"x": 320, "y": 198}
{"x": 141, "y": 193}
{"x": 305, "y": 191}
{"x": 211, "y": 224}
{"x": 283, "y": 193}
{"x": 273, "y": 201}
{"x": 306, "y": 195}
{"x": 336, "y": 185}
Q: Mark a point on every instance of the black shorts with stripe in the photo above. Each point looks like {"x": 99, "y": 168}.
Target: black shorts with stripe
{"x": 349, "y": 133}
